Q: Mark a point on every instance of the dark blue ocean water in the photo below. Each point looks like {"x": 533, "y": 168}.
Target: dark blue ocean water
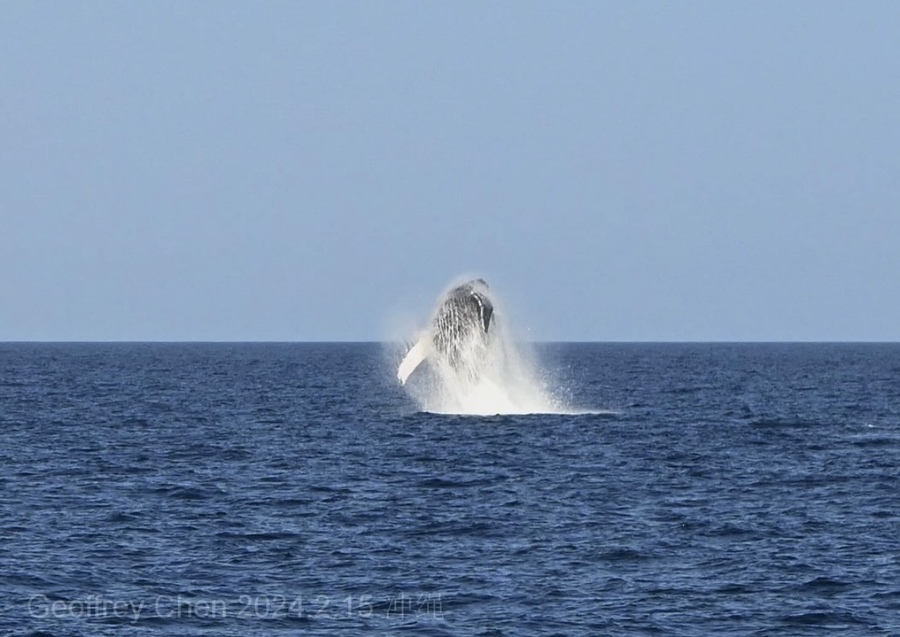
{"x": 259, "y": 489}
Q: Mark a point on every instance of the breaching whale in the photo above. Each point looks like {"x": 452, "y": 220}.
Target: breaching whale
{"x": 459, "y": 332}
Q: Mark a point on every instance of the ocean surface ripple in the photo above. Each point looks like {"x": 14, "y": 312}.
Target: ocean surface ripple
{"x": 258, "y": 489}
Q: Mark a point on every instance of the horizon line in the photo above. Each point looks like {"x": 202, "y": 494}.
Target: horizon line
{"x": 399, "y": 342}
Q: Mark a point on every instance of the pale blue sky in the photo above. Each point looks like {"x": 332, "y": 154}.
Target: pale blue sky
{"x": 313, "y": 170}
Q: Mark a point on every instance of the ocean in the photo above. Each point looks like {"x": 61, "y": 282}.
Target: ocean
{"x": 259, "y": 489}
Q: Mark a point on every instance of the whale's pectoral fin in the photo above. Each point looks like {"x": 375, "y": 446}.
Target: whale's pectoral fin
{"x": 413, "y": 358}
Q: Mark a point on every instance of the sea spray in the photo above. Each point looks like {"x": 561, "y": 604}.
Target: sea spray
{"x": 486, "y": 376}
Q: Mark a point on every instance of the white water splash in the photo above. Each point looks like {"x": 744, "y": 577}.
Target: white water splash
{"x": 498, "y": 376}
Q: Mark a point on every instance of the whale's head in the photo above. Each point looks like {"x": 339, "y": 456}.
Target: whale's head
{"x": 459, "y": 334}
{"x": 463, "y": 319}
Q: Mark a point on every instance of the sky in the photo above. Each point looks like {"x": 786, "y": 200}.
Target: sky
{"x": 322, "y": 171}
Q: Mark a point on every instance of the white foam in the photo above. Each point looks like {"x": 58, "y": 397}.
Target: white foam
{"x": 500, "y": 379}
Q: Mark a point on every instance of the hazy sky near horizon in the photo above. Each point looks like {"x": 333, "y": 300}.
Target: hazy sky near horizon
{"x": 322, "y": 170}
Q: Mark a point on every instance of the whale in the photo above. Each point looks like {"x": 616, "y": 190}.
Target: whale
{"x": 458, "y": 334}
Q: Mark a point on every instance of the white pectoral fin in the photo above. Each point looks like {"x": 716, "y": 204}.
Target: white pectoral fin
{"x": 413, "y": 358}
